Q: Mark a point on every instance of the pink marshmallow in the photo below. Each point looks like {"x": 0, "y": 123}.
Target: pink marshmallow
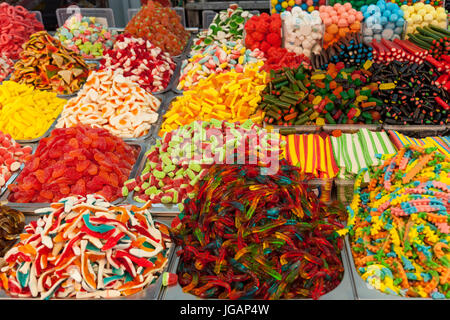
{"x": 341, "y": 10}
{"x": 359, "y": 16}
{"x": 309, "y": 2}
{"x": 298, "y": 2}
{"x": 350, "y": 19}
{"x": 348, "y": 6}
{"x": 342, "y": 23}
{"x": 324, "y": 15}
{"x": 332, "y": 12}
{"x": 352, "y": 12}
{"x": 335, "y": 19}
{"x": 327, "y": 21}
{"x": 337, "y": 5}
{"x": 321, "y": 8}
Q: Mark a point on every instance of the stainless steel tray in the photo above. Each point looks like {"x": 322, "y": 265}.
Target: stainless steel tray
{"x": 344, "y": 291}
{"x": 29, "y": 208}
{"x": 151, "y": 291}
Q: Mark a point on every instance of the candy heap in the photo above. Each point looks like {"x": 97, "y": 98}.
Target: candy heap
{"x": 12, "y": 155}
{"x": 408, "y": 94}
{"x": 228, "y": 25}
{"x": 337, "y": 95}
{"x": 255, "y": 236}
{"x": 86, "y": 248}
{"x": 16, "y": 26}
{"x": 339, "y": 20}
{"x": 286, "y": 6}
{"x": 382, "y": 21}
{"x": 350, "y": 50}
{"x": 47, "y": 65}
{"x": 356, "y": 4}
{"x": 303, "y": 32}
{"x": 141, "y": 62}
{"x": 161, "y": 26}
{"x": 75, "y": 161}
{"x": 229, "y": 96}
{"x": 86, "y": 36}
{"x": 177, "y": 162}
{"x": 432, "y": 38}
{"x": 11, "y": 225}
{"x": 110, "y": 101}
{"x": 387, "y": 51}
{"x": 27, "y": 113}
{"x": 280, "y": 58}
{"x": 399, "y": 225}
{"x": 6, "y": 66}
{"x": 263, "y": 32}
{"x": 441, "y": 143}
{"x": 422, "y": 15}
{"x": 215, "y": 59}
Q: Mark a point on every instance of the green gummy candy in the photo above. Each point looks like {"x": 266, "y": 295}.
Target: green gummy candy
{"x": 191, "y": 195}
{"x": 160, "y": 184}
{"x": 137, "y": 199}
{"x": 216, "y": 123}
{"x": 166, "y": 199}
{"x": 171, "y": 174}
{"x": 159, "y": 174}
{"x": 137, "y": 188}
{"x": 179, "y": 172}
{"x": 145, "y": 185}
{"x": 153, "y": 165}
{"x": 125, "y": 191}
{"x": 195, "y": 167}
{"x": 175, "y": 196}
{"x": 166, "y": 159}
{"x": 169, "y": 168}
{"x": 190, "y": 174}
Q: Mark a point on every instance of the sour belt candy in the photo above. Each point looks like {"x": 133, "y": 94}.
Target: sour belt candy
{"x": 176, "y": 163}
{"x": 85, "y": 247}
{"x": 230, "y": 96}
{"x": 141, "y": 62}
{"x": 47, "y": 65}
{"x": 26, "y": 113}
{"x": 75, "y": 161}
{"x": 16, "y": 26}
{"x": 110, "y": 101}
{"x": 216, "y": 59}
{"x": 86, "y": 36}
{"x": 441, "y": 143}
{"x": 6, "y": 66}
{"x": 11, "y": 225}
{"x": 12, "y": 155}
{"x": 161, "y": 26}
{"x": 248, "y": 235}
{"x": 399, "y": 225}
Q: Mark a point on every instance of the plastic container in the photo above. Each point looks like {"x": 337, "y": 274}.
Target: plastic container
{"x": 30, "y": 207}
{"x": 62, "y": 14}
{"x": 344, "y": 190}
{"x": 38, "y": 16}
{"x": 179, "y": 11}
{"x": 207, "y": 18}
{"x": 323, "y": 188}
{"x": 344, "y": 291}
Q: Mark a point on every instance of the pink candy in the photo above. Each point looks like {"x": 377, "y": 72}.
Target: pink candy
{"x": 6, "y": 66}
{"x": 12, "y": 155}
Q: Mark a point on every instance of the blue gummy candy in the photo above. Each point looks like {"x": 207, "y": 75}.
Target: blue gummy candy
{"x": 393, "y": 17}
{"x": 389, "y": 25}
{"x": 383, "y": 21}
{"x": 387, "y": 13}
{"x": 364, "y": 8}
{"x": 400, "y": 22}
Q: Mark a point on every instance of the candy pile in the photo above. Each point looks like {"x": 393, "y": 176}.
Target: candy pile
{"x": 228, "y": 25}
{"x": 286, "y": 6}
{"x": 12, "y": 155}
{"x": 26, "y": 113}
{"x": 399, "y": 225}
{"x": 177, "y": 162}
{"x": 6, "y": 66}
{"x": 86, "y": 248}
{"x": 264, "y": 237}
{"x": 303, "y": 32}
{"x": 11, "y": 225}
{"x": 422, "y": 15}
{"x": 229, "y": 96}
{"x": 357, "y": 4}
{"x": 336, "y": 95}
{"x": 86, "y": 36}
{"x": 216, "y": 59}
{"x": 387, "y": 51}
{"x": 339, "y": 20}
{"x": 110, "y": 101}
{"x": 161, "y": 26}
{"x": 141, "y": 62}
{"x": 408, "y": 94}
{"x": 350, "y": 50}
{"x": 75, "y": 161}
{"x": 279, "y": 58}
{"x": 441, "y": 143}
{"x": 432, "y": 38}
{"x": 263, "y": 32}
{"x": 47, "y": 65}
{"x": 16, "y": 26}
{"x": 382, "y": 21}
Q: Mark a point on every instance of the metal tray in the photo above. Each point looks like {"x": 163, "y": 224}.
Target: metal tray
{"x": 30, "y": 207}
{"x": 344, "y": 291}
{"x": 364, "y": 291}
{"x": 151, "y": 291}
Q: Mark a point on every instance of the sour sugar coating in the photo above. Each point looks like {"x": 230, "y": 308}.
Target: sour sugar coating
{"x": 11, "y": 225}
{"x": 249, "y": 235}
{"x": 399, "y": 225}
{"x": 6, "y": 67}
{"x": 75, "y": 161}
{"x": 12, "y": 155}
{"x": 279, "y": 58}
{"x": 216, "y": 59}
{"x": 25, "y": 112}
{"x": 47, "y": 65}
{"x": 109, "y": 100}
{"x": 178, "y": 161}
{"x": 231, "y": 96}
{"x": 85, "y": 247}
{"x": 421, "y": 15}
{"x": 140, "y": 61}
{"x": 161, "y": 26}
{"x": 17, "y": 24}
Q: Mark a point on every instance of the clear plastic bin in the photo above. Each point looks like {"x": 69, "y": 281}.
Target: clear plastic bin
{"x": 38, "y": 16}
{"x": 179, "y": 11}
{"x": 62, "y": 14}
{"x": 207, "y": 18}
{"x": 322, "y": 188}
{"x": 344, "y": 189}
